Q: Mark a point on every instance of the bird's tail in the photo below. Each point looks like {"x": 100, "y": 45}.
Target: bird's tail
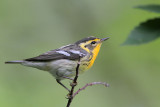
{"x": 14, "y": 62}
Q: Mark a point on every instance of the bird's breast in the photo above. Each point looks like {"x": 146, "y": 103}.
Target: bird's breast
{"x": 93, "y": 56}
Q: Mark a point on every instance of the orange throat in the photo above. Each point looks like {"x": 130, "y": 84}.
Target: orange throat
{"x": 95, "y": 53}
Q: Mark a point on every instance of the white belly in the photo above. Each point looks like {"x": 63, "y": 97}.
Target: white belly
{"x": 58, "y": 68}
{"x": 62, "y": 68}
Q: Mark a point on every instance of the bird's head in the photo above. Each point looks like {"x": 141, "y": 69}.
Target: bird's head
{"x": 91, "y": 44}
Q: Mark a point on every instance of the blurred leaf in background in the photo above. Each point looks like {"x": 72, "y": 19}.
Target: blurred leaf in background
{"x": 146, "y": 31}
{"x": 151, "y": 8}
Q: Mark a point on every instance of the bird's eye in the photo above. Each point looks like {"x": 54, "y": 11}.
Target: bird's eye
{"x": 93, "y": 42}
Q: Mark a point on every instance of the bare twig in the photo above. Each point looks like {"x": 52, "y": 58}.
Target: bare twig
{"x": 90, "y": 84}
{"x": 71, "y": 94}
{"x": 73, "y": 84}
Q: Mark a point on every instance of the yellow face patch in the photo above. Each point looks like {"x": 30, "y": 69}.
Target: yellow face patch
{"x": 94, "y": 52}
{"x": 82, "y": 45}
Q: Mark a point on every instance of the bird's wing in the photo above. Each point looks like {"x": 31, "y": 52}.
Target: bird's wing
{"x": 63, "y": 53}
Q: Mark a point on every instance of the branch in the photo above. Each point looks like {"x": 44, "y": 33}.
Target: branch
{"x": 90, "y": 84}
{"x": 71, "y": 94}
{"x": 73, "y": 84}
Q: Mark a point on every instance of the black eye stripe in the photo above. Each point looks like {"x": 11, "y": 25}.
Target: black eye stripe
{"x": 93, "y": 42}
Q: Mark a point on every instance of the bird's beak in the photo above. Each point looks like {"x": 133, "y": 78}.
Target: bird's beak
{"x": 104, "y": 39}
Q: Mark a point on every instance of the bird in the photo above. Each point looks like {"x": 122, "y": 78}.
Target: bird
{"x": 62, "y": 62}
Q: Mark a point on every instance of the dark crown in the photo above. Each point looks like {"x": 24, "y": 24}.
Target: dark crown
{"x": 85, "y": 39}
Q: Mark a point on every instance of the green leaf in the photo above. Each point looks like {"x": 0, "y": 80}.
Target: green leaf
{"x": 144, "y": 33}
{"x": 152, "y": 8}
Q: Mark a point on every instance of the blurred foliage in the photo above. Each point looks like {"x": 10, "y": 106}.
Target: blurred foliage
{"x": 31, "y": 27}
{"x": 152, "y": 8}
{"x": 146, "y": 31}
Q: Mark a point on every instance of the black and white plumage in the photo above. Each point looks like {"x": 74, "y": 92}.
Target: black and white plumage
{"x": 62, "y": 62}
{"x": 59, "y": 62}
{"x": 71, "y": 52}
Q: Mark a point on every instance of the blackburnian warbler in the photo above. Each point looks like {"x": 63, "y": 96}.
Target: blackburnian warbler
{"x": 62, "y": 62}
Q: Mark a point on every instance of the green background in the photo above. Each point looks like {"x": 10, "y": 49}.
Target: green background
{"x": 31, "y": 27}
